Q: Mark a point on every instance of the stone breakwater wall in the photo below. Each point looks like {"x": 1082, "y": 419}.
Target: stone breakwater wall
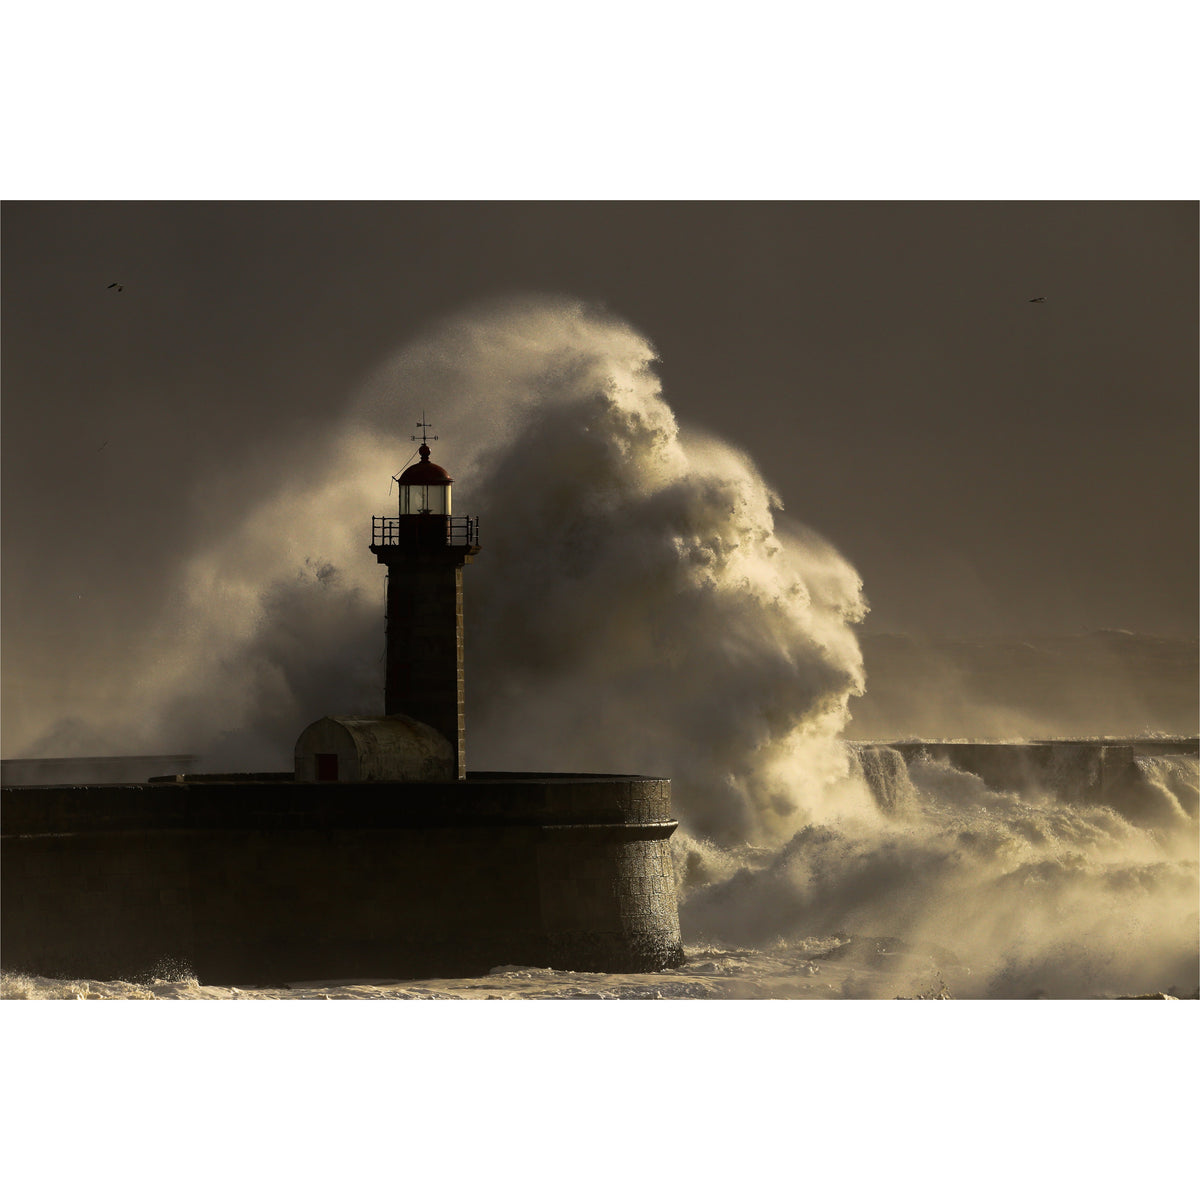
{"x": 1113, "y": 773}
{"x": 276, "y": 881}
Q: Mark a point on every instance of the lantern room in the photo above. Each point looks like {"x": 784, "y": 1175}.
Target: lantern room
{"x": 424, "y": 488}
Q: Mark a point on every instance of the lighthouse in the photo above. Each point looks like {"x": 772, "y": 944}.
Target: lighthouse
{"x": 425, "y": 547}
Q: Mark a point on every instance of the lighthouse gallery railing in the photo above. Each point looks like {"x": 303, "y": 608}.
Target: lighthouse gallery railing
{"x": 401, "y": 531}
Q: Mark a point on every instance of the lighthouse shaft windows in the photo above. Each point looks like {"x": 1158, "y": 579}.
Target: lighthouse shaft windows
{"x": 418, "y": 499}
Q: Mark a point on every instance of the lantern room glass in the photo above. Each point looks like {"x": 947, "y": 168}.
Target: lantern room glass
{"x": 419, "y": 499}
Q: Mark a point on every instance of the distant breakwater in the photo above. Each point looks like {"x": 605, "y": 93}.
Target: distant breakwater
{"x": 1149, "y": 782}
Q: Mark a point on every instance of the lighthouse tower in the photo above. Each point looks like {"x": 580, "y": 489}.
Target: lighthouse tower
{"x": 425, "y": 549}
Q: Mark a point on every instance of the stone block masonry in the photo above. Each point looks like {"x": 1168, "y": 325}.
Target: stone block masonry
{"x": 424, "y": 676}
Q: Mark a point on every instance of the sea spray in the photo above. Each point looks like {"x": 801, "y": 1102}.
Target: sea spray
{"x": 638, "y": 606}
{"x": 1026, "y": 895}
{"x": 885, "y": 774}
{"x": 1170, "y": 779}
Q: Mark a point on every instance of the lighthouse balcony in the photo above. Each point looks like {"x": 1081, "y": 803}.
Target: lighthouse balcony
{"x": 424, "y": 529}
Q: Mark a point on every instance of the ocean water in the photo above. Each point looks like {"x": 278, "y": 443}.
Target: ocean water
{"x": 1005, "y": 894}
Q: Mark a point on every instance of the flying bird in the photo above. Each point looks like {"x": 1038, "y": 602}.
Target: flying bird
{"x": 118, "y": 286}
{"x": 1038, "y": 300}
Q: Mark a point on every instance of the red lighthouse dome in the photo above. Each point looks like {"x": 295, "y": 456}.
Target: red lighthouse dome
{"x": 424, "y": 488}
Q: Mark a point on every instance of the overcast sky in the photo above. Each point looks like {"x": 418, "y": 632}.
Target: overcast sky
{"x": 989, "y": 465}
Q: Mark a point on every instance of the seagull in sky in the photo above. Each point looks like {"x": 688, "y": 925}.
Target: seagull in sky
{"x": 118, "y": 286}
{"x": 1038, "y": 300}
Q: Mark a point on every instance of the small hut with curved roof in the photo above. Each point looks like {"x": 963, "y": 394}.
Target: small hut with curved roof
{"x": 373, "y": 750}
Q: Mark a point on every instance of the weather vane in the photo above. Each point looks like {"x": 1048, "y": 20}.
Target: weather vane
{"x": 424, "y": 426}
